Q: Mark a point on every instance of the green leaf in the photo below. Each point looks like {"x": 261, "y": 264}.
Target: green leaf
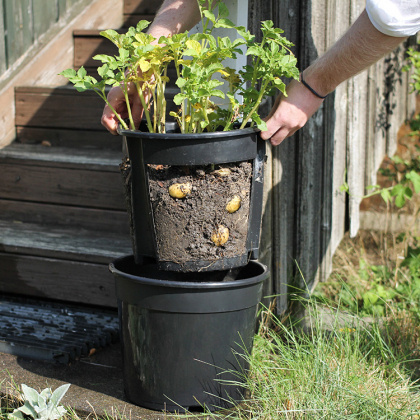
{"x": 223, "y": 10}
{"x": 256, "y": 50}
{"x": 386, "y": 195}
{"x": 103, "y": 58}
{"x": 401, "y": 194}
{"x": 124, "y": 54}
{"x": 224, "y": 23}
{"x": 16, "y": 415}
{"x": 142, "y": 25}
{"x": 82, "y": 72}
{"x": 209, "y": 15}
{"x": 369, "y": 299}
{"x": 28, "y": 409}
{"x": 69, "y": 73}
{"x": 414, "y": 177}
{"x": 103, "y": 70}
{"x": 30, "y": 394}
{"x": 178, "y": 98}
{"x": 111, "y": 35}
{"x": 262, "y": 125}
{"x": 345, "y": 187}
{"x": 59, "y": 393}
{"x": 218, "y": 93}
{"x": 180, "y": 82}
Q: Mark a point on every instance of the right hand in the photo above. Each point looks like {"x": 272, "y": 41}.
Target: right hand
{"x": 290, "y": 113}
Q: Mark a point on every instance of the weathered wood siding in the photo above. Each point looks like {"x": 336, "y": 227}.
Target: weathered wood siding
{"x": 345, "y": 140}
{"x": 23, "y": 22}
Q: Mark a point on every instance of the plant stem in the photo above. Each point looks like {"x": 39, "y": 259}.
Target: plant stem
{"x": 103, "y": 96}
{"x": 130, "y": 116}
{"x": 178, "y": 73}
{"x": 143, "y": 104}
{"x": 257, "y": 104}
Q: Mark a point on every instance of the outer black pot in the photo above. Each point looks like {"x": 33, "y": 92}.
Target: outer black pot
{"x": 188, "y": 150}
{"x": 183, "y": 340}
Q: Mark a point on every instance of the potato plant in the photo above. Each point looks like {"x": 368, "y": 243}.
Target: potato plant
{"x": 142, "y": 62}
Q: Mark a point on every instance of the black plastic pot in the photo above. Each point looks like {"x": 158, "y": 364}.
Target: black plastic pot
{"x": 184, "y": 335}
{"x": 174, "y": 148}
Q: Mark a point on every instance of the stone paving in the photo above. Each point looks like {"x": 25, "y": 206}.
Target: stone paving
{"x": 96, "y": 383}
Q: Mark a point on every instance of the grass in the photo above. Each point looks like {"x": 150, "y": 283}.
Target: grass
{"x": 325, "y": 371}
{"x": 363, "y": 365}
{"x": 335, "y": 367}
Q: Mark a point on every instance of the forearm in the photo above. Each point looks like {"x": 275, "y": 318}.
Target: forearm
{"x": 175, "y": 16}
{"x": 361, "y": 46}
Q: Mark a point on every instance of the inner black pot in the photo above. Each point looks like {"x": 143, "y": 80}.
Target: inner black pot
{"x": 185, "y": 339}
{"x": 188, "y": 152}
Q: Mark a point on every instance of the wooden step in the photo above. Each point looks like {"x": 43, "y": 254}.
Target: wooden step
{"x": 61, "y": 216}
{"x": 54, "y": 110}
{"x": 136, "y": 10}
{"x": 66, "y": 243}
{"x": 68, "y": 138}
{"x": 59, "y": 107}
{"x": 63, "y": 280}
{"x": 61, "y": 176}
{"x": 88, "y": 43}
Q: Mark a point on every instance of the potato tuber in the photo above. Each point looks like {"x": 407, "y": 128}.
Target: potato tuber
{"x": 220, "y": 235}
{"x": 180, "y": 190}
{"x": 234, "y": 204}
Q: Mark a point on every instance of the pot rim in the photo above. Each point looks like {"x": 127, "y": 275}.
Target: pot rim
{"x": 188, "y": 284}
{"x": 219, "y": 135}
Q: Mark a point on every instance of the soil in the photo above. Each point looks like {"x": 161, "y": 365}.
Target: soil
{"x": 184, "y": 226}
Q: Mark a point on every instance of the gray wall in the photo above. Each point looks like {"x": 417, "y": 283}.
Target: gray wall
{"x": 306, "y": 215}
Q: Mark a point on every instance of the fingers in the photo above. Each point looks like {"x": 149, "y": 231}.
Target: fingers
{"x": 109, "y": 120}
{"x": 116, "y": 100}
{"x": 290, "y": 113}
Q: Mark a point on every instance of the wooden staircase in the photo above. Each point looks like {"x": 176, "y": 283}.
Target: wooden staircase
{"x": 62, "y": 207}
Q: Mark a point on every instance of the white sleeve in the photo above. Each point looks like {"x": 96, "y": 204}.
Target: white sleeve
{"x": 400, "y": 18}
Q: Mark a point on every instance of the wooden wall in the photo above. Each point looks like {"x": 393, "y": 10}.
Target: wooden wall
{"x": 23, "y": 22}
{"x": 306, "y": 215}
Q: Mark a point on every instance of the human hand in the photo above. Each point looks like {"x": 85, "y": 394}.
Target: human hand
{"x": 117, "y": 100}
{"x": 290, "y": 113}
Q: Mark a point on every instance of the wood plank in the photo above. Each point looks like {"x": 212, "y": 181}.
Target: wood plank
{"x": 62, "y": 186}
{"x": 284, "y": 178}
{"x": 356, "y": 135}
{"x": 377, "y": 121}
{"x": 50, "y": 278}
{"x": 61, "y": 157}
{"x": 310, "y": 164}
{"x": 87, "y": 45}
{"x": 337, "y": 122}
{"x": 258, "y": 11}
{"x": 3, "y": 58}
{"x": 18, "y": 20}
{"x": 43, "y": 107}
{"x": 133, "y": 7}
{"x": 45, "y": 14}
{"x": 62, "y": 7}
{"x": 393, "y": 85}
{"x": 47, "y": 215}
{"x": 61, "y": 107}
{"x": 69, "y": 243}
{"x": 133, "y": 20}
{"x": 45, "y": 60}
{"x": 69, "y": 138}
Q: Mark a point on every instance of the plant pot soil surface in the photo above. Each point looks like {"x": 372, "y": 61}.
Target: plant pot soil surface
{"x": 184, "y": 226}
